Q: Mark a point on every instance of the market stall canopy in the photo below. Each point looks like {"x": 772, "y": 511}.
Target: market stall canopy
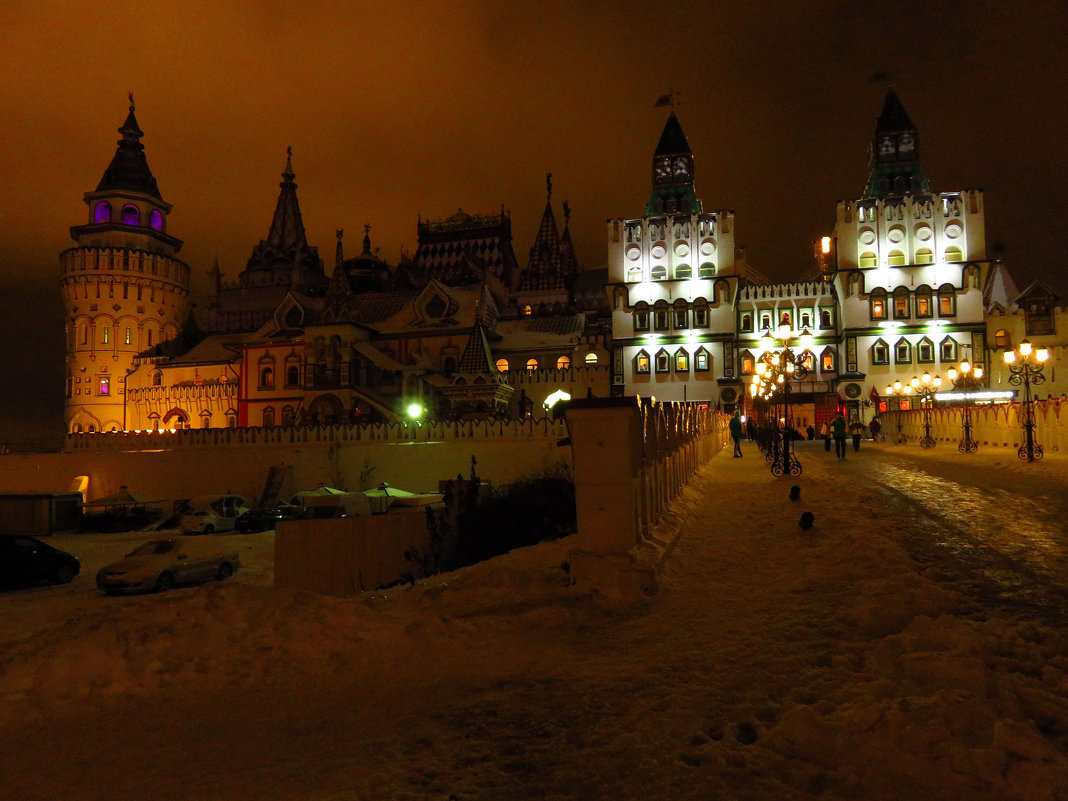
{"x": 122, "y": 499}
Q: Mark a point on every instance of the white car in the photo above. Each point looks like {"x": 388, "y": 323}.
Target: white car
{"x": 211, "y": 514}
{"x": 161, "y": 564}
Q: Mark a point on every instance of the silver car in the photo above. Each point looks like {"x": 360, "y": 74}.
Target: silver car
{"x": 161, "y": 564}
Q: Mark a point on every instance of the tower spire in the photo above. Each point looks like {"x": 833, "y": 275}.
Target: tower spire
{"x": 894, "y": 158}
{"x": 673, "y": 190}
{"x": 287, "y": 226}
{"x": 129, "y": 169}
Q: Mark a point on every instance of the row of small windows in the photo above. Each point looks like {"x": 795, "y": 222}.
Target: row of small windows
{"x": 770, "y": 320}
{"x": 828, "y": 361}
{"x": 288, "y": 416}
{"x": 906, "y": 304}
{"x": 665, "y": 362}
{"x": 106, "y": 335}
{"x": 292, "y": 376}
{"x": 130, "y": 215}
{"x": 665, "y": 317}
{"x": 562, "y": 363}
{"x": 924, "y": 349}
{"x": 683, "y": 271}
{"x": 897, "y": 258}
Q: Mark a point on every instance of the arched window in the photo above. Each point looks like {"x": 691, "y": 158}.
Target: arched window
{"x": 591, "y": 358}
{"x": 924, "y": 256}
{"x": 826, "y": 318}
{"x": 532, "y": 365}
{"x": 292, "y": 375}
{"x": 155, "y": 219}
{"x": 947, "y": 300}
{"x": 748, "y": 363}
{"x": 868, "y": 259}
{"x": 706, "y": 270}
{"x": 954, "y": 253}
{"x": 659, "y": 273}
{"x": 745, "y": 322}
{"x": 130, "y": 215}
{"x": 901, "y": 303}
{"x": 828, "y": 360}
{"x": 903, "y": 352}
{"x": 107, "y": 334}
{"x": 157, "y": 378}
{"x": 563, "y": 363}
{"x": 268, "y": 417}
{"x": 205, "y": 419}
{"x": 448, "y": 365}
{"x": 641, "y": 363}
{"x": 502, "y": 365}
{"x": 700, "y": 314}
{"x": 102, "y": 212}
{"x": 683, "y": 271}
{"x": 924, "y": 309}
{"x": 641, "y": 316}
{"x": 634, "y": 273}
{"x": 1002, "y": 340}
{"x": 267, "y": 378}
{"x": 660, "y": 315}
{"x": 896, "y": 258}
{"x": 287, "y": 415}
{"x": 681, "y": 315}
{"x": 877, "y": 302}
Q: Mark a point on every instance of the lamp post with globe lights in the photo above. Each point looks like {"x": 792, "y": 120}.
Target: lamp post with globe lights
{"x": 924, "y": 389}
{"x": 778, "y": 366}
{"x": 966, "y": 377}
{"x": 1025, "y": 369}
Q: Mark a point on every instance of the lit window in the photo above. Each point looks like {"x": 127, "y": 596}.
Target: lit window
{"x": 157, "y": 378}
{"x": 563, "y": 363}
{"x": 826, "y": 318}
{"x": 702, "y": 361}
{"x": 806, "y": 319}
{"x": 878, "y": 304}
{"x": 808, "y": 360}
{"x": 130, "y": 215}
{"x": 659, "y": 273}
{"x": 923, "y": 301}
{"x": 105, "y": 385}
{"x": 924, "y": 256}
{"x": 155, "y": 219}
{"x": 502, "y": 365}
{"x": 107, "y": 334}
{"x": 267, "y": 378}
{"x": 591, "y": 358}
{"x": 947, "y": 301}
{"x": 880, "y": 353}
{"x": 765, "y": 321}
{"x": 102, "y": 212}
{"x": 682, "y": 361}
{"x": 634, "y": 274}
{"x": 527, "y": 311}
{"x": 129, "y": 336}
{"x": 827, "y": 361}
{"x": 683, "y": 271}
{"x": 868, "y": 259}
{"x": 532, "y": 364}
{"x": 901, "y": 305}
{"x": 896, "y": 258}
{"x": 746, "y": 323}
{"x": 1002, "y": 340}
{"x": 949, "y": 350}
{"x": 662, "y": 361}
{"x": 707, "y": 270}
{"x": 954, "y": 254}
{"x": 641, "y": 362}
{"x": 747, "y": 363}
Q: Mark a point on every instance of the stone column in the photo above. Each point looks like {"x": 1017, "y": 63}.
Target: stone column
{"x": 606, "y": 444}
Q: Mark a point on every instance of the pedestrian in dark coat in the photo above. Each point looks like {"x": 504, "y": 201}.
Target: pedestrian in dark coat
{"x": 838, "y": 431}
{"x": 736, "y": 433}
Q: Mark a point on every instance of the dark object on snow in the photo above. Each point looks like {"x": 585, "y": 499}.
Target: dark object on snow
{"x": 27, "y": 560}
{"x": 795, "y": 493}
{"x": 806, "y": 520}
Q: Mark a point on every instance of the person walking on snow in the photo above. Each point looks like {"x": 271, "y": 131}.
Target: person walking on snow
{"x": 838, "y": 429}
{"x": 736, "y": 433}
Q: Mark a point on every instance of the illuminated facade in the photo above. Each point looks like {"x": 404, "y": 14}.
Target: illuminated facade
{"x": 123, "y": 289}
{"x": 899, "y": 290}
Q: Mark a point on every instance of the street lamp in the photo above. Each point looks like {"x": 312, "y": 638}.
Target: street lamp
{"x": 775, "y": 370}
{"x": 1025, "y": 367}
{"x": 966, "y": 377}
{"x": 924, "y": 389}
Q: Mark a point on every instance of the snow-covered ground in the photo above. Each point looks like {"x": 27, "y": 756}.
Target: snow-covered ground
{"x": 774, "y": 663}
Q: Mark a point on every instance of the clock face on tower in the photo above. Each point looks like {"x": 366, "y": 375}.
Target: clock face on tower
{"x": 662, "y": 168}
{"x": 682, "y": 167}
{"x": 906, "y": 143}
{"x": 886, "y": 146}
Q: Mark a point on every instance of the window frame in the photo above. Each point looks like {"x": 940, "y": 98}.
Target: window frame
{"x": 876, "y": 346}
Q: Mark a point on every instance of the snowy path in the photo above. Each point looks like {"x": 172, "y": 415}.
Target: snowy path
{"x": 773, "y": 664}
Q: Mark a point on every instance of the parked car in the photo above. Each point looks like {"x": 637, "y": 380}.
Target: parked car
{"x": 161, "y": 564}
{"x": 26, "y": 560}
{"x": 211, "y": 514}
{"x": 265, "y": 518}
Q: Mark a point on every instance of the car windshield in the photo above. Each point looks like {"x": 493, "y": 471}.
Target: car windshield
{"x": 153, "y": 547}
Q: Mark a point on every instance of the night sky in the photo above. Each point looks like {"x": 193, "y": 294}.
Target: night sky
{"x": 400, "y": 110}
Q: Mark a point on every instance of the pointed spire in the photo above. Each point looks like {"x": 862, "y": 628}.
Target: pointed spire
{"x": 673, "y": 190}
{"x": 339, "y": 253}
{"x": 367, "y": 240}
{"x": 894, "y": 157}
{"x": 568, "y": 259}
{"x": 287, "y": 226}
{"x": 129, "y": 168}
{"x": 477, "y": 356}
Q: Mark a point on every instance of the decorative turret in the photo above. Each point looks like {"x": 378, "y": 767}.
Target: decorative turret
{"x": 673, "y": 191}
{"x": 895, "y": 153}
{"x": 284, "y": 258}
{"x": 547, "y": 268}
{"x": 124, "y": 291}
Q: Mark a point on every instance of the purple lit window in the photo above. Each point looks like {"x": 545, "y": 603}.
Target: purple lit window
{"x": 130, "y": 215}
{"x": 155, "y": 219}
{"x": 105, "y": 385}
{"x": 102, "y": 212}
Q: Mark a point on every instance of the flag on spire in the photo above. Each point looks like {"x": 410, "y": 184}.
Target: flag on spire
{"x": 663, "y": 100}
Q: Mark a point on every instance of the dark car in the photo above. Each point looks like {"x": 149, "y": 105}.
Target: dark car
{"x": 25, "y": 560}
{"x": 265, "y": 518}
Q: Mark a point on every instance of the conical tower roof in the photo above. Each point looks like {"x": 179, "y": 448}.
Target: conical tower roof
{"x": 894, "y": 158}
{"x": 477, "y": 357}
{"x": 673, "y": 190}
{"x": 129, "y": 169}
{"x": 287, "y": 226}
{"x": 672, "y": 140}
{"x": 544, "y": 265}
